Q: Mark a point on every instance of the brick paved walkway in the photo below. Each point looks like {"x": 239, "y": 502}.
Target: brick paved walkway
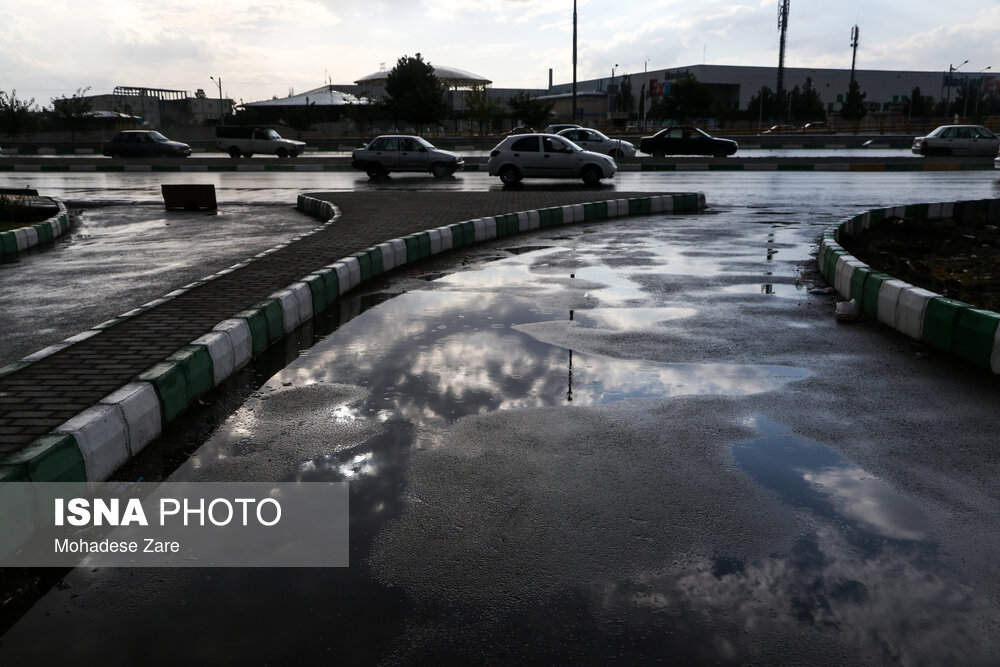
{"x": 40, "y": 397}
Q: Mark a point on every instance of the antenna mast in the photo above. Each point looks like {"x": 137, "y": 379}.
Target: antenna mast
{"x": 783, "y": 28}
{"x": 855, "y": 33}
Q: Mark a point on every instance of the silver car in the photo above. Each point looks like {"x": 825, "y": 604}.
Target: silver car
{"x": 957, "y": 140}
{"x": 547, "y": 156}
{"x": 592, "y": 140}
{"x": 396, "y": 152}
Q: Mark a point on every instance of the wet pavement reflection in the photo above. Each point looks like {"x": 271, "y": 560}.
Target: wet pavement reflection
{"x": 551, "y": 460}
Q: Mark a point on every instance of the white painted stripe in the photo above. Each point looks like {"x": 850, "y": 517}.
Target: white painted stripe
{"x": 47, "y": 352}
{"x": 101, "y": 434}
{"x": 343, "y": 276}
{"x": 534, "y": 220}
{"x": 910, "y": 310}
{"x": 399, "y": 245}
{"x": 303, "y": 294}
{"x": 568, "y": 214}
{"x": 435, "y": 236}
{"x": 888, "y": 300}
{"x": 354, "y": 267}
{"x": 221, "y": 350}
{"x": 447, "y": 241}
{"x": 289, "y": 308}
{"x": 240, "y": 338}
{"x": 846, "y": 266}
{"x": 388, "y": 256}
{"x": 139, "y": 408}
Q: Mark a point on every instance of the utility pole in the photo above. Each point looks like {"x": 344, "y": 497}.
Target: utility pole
{"x": 219, "y": 81}
{"x": 573, "y": 114}
{"x": 783, "y": 29}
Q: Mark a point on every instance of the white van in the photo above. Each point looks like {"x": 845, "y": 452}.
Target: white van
{"x": 246, "y": 140}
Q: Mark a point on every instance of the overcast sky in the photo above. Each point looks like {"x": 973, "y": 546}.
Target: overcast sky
{"x": 263, "y": 48}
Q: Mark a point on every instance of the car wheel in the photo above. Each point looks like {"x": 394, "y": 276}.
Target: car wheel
{"x": 374, "y": 171}
{"x": 234, "y": 152}
{"x": 509, "y": 175}
{"x": 658, "y": 153}
{"x": 591, "y": 175}
{"x": 248, "y": 155}
{"x": 440, "y": 170}
{"x": 281, "y": 153}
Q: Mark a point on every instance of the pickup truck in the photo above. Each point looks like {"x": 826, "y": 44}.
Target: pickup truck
{"x": 246, "y": 140}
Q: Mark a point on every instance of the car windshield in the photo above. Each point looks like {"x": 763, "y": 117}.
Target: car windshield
{"x": 156, "y": 136}
{"x": 271, "y": 134}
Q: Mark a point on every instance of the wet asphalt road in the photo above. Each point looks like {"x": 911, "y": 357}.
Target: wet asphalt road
{"x": 737, "y": 479}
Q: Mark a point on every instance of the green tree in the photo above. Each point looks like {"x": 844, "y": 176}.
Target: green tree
{"x": 301, "y": 118}
{"x": 688, "y": 99}
{"x": 481, "y": 107}
{"x": 763, "y": 106}
{"x": 414, "y": 93}
{"x": 805, "y": 104}
{"x": 17, "y": 116}
{"x": 530, "y": 110}
{"x": 72, "y": 113}
{"x": 854, "y": 105}
{"x": 920, "y": 106}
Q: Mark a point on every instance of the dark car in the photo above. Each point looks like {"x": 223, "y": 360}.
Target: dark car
{"x": 686, "y": 141}
{"x": 394, "y": 152}
{"x": 144, "y": 143}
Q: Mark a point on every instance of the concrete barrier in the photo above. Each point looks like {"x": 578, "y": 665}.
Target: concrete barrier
{"x": 139, "y": 408}
{"x": 101, "y": 435}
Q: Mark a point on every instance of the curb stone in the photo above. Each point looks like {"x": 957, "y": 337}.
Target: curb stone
{"x": 93, "y": 444}
{"x": 18, "y": 240}
{"x": 948, "y": 325}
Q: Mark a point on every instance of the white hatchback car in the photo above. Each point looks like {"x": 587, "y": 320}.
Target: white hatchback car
{"x": 547, "y": 156}
{"x": 592, "y": 140}
{"x": 957, "y": 140}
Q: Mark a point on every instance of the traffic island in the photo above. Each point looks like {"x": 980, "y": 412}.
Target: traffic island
{"x": 945, "y": 255}
{"x": 78, "y": 410}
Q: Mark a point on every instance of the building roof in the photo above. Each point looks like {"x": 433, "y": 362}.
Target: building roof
{"x": 450, "y": 76}
{"x": 324, "y": 96}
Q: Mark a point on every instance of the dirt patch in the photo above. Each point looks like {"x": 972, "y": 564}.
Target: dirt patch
{"x": 959, "y": 260}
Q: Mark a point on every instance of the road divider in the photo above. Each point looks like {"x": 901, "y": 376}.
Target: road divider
{"x": 946, "y": 324}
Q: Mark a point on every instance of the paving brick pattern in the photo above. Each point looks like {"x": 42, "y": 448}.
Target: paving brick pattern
{"x": 40, "y": 397}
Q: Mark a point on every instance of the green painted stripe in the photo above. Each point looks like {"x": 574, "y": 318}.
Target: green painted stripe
{"x": 12, "y": 473}
{"x": 6, "y": 167}
{"x": 317, "y": 287}
{"x": 412, "y": 248}
{"x": 110, "y": 167}
{"x": 376, "y": 254}
{"x": 44, "y": 231}
{"x": 55, "y": 167}
{"x": 222, "y": 167}
{"x": 171, "y": 388}
{"x": 830, "y": 264}
{"x": 659, "y": 167}
{"x": 8, "y": 243}
{"x": 365, "y": 262}
{"x": 51, "y": 458}
{"x": 279, "y": 167}
{"x": 939, "y": 322}
{"x": 796, "y": 167}
{"x": 424, "y": 244}
{"x": 858, "y": 278}
{"x": 196, "y": 364}
{"x": 275, "y": 319}
{"x": 975, "y": 333}
{"x": 332, "y": 281}
{"x": 917, "y": 210}
{"x": 869, "y": 293}
{"x": 13, "y": 367}
{"x": 257, "y": 322}
{"x": 166, "y": 167}
{"x": 734, "y": 166}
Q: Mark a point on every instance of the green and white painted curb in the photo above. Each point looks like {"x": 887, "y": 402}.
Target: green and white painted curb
{"x": 94, "y": 443}
{"x": 952, "y": 326}
{"x": 18, "y": 240}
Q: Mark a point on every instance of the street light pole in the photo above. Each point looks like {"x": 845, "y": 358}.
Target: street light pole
{"x": 219, "y": 82}
{"x": 951, "y": 70}
{"x": 611, "y": 95}
{"x": 573, "y": 114}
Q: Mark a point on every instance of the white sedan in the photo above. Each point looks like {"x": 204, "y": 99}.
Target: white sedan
{"x": 595, "y": 141}
{"x": 957, "y": 140}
